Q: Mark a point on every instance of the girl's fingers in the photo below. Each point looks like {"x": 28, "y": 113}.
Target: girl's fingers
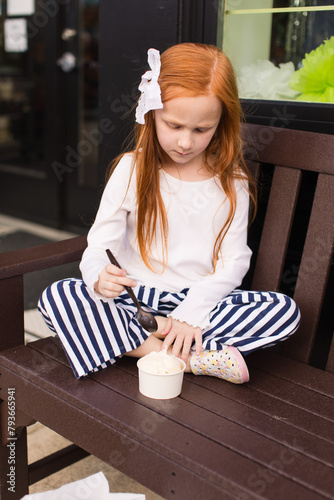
{"x": 116, "y": 275}
{"x": 170, "y": 336}
{"x": 168, "y": 326}
{"x": 113, "y": 287}
{"x": 112, "y": 281}
{"x": 198, "y": 342}
{"x": 127, "y": 282}
{"x": 186, "y": 348}
{"x": 110, "y": 292}
{"x": 182, "y": 338}
{"x": 168, "y": 341}
{"x": 112, "y": 278}
{"x": 179, "y": 342}
{"x": 114, "y": 270}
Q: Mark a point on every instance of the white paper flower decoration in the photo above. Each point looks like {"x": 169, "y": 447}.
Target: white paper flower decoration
{"x": 264, "y": 80}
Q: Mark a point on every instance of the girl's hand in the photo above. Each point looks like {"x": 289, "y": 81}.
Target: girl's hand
{"x": 112, "y": 281}
{"x": 182, "y": 335}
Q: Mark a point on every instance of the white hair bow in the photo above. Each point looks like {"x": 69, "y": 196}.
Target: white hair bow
{"x": 149, "y": 87}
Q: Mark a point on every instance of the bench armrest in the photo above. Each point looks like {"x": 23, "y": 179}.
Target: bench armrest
{"x": 40, "y": 257}
{"x": 13, "y": 265}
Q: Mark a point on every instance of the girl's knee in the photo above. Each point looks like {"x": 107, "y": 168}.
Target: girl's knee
{"x": 292, "y": 314}
{"x": 292, "y": 305}
{"x": 296, "y": 313}
{"x": 53, "y": 294}
{"x": 48, "y": 292}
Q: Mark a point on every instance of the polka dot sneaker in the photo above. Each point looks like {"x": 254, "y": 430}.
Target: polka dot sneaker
{"x": 227, "y": 364}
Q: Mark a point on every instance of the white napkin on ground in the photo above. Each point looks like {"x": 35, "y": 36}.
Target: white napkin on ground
{"x": 94, "y": 487}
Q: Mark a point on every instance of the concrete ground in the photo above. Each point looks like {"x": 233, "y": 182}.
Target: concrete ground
{"x": 42, "y": 441}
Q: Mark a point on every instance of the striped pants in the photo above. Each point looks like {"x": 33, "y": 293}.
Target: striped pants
{"x": 94, "y": 333}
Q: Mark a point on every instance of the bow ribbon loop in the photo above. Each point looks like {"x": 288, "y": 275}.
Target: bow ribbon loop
{"x": 149, "y": 87}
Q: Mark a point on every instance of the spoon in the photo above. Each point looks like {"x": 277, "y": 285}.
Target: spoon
{"x": 146, "y": 319}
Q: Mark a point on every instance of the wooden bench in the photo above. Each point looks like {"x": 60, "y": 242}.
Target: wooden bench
{"x": 272, "y": 438}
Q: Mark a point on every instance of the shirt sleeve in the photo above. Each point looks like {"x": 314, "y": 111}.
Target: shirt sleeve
{"x": 109, "y": 227}
{"x": 231, "y": 268}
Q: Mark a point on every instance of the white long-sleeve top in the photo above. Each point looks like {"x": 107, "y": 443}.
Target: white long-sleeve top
{"x": 196, "y": 213}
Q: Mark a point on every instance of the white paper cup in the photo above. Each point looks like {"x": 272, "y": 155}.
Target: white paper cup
{"x": 160, "y": 385}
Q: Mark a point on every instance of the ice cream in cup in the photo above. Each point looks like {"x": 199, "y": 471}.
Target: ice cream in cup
{"x": 160, "y": 375}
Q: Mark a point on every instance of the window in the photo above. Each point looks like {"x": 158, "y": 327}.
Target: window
{"x": 280, "y": 49}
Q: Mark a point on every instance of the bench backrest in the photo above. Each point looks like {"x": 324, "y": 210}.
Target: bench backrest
{"x": 296, "y": 168}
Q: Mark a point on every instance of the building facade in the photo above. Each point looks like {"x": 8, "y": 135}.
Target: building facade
{"x": 69, "y": 73}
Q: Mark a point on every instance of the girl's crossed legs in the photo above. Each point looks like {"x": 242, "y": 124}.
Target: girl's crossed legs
{"x": 94, "y": 333}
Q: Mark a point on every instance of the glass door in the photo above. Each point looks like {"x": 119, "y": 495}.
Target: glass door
{"x": 82, "y": 130}
{"x": 28, "y": 110}
{"x": 49, "y": 130}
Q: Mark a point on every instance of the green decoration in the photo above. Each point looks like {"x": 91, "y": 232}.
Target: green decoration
{"x": 315, "y": 80}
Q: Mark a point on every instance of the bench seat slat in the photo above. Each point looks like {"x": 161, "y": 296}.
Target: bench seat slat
{"x": 213, "y": 411}
{"x": 314, "y": 270}
{"x": 271, "y": 406}
{"x": 306, "y": 399}
{"x": 212, "y": 421}
{"x": 220, "y": 459}
{"x": 266, "y": 403}
{"x": 226, "y": 463}
{"x": 277, "y": 429}
{"x": 130, "y": 456}
{"x": 133, "y": 425}
{"x": 297, "y": 414}
{"x": 306, "y": 376}
{"x": 271, "y": 427}
{"x": 279, "y": 407}
{"x": 277, "y": 227}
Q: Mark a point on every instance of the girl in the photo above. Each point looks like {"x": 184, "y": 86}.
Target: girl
{"x": 175, "y": 214}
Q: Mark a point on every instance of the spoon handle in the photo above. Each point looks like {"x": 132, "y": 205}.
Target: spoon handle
{"x": 127, "y": 288}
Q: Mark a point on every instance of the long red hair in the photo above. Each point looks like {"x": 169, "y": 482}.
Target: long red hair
{"x": 189, "y": 70}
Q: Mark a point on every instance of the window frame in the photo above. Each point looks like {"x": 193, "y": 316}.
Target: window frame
{"x": 298, "y": 115}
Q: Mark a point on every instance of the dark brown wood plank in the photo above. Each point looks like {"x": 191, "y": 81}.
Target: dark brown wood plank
{"x": 314, "y": 270}
{"x": 122, "y": 433}
{"x": 132, "y": 457}
{"x": 169, "y": 437}
{"x": 249, "y": 396}
{"x": 277, "y": 227}
{"x": 255, "y": 169}
{"x": 271, "y": 406}
{"x": 11, "y": 312}
{"x": 291, "y": 148}
{"x": 330, "y": 361}
{"x": 288, "y": 369}
{"x": 31, "y": 259}
{"x": 211, "y": 414}
{"x": 294, "y": 440}
{"x": 113, "y": 406}
{"x": 209, "y": 419}
{"x": 267, "y": 424}
{"x": 305, "y": 399}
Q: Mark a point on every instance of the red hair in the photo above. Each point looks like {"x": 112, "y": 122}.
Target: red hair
{"x": 190, "y": 70}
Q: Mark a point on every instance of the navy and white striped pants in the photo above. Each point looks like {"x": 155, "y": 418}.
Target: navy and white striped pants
{"x": 94, "y": 333}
